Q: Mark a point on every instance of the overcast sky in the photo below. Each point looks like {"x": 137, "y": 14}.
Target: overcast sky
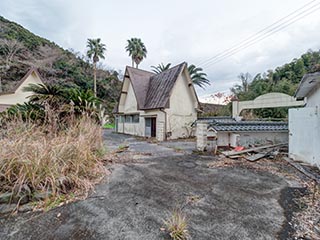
{"x": 174, "y": 31}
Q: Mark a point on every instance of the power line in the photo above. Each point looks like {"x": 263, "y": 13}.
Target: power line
{"x": 261, "y": 32}
{"x": 250, "y": 43}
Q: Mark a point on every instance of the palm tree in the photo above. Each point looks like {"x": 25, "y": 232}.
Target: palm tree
{"x": 52, "y": 95}
{"x": 137, "y": 50}
{"x": 95, "y": 51}
{"x": 160, "y": 68}
{"x": 198, "y": 77}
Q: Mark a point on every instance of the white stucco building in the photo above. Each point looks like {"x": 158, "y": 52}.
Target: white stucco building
{"x": 160, "y": 105}
{"x": 304, "y": 123}
{"x": 17, "y": 95}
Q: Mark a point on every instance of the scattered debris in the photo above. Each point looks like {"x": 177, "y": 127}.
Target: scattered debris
{"x": 307, "y": 221}
{"x": 254, "y": 149}
{"x": 192, "y": 199}
{"x": 122, "y": 148}
{"x": 301, "y": 169}
{"x": 239, "y": 148}
{"x": 256, "y": 157}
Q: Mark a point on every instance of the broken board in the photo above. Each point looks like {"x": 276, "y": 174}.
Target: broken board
{"x": 231, "y": 153}
{"x": 255, "y": 157}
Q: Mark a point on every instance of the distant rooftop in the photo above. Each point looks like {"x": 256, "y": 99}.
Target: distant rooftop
{"x": 250, "y": 126}
{"x": 229, "y": 124}
{"x": 308, "y": 83}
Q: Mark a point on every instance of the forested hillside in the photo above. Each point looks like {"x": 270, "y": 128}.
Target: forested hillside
{"x": 283, "y": 79}
{"x": 20, "y": 49}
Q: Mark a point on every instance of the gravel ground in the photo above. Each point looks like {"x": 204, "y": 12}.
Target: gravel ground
{"x": 231, "y": 202}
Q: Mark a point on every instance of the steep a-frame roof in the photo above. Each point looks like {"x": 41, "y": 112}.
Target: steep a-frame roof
{"x": 15, "y": 88}
{"x": 152, "y": 90}
{"x": 140, "y": 80}
{"x": 160, "y": 87}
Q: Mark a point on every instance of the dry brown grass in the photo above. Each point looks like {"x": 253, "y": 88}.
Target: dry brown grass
{"x": 176, "y": 225}
{"x": 35, "y": 161}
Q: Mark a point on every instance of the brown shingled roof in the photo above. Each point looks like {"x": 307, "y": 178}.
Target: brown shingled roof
{"x": 140, "y": 80}
{"x": 160, "y": 87}
{"x": 152, "y": 90}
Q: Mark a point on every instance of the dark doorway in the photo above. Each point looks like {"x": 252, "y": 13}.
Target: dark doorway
{"x": 151, "y": 127}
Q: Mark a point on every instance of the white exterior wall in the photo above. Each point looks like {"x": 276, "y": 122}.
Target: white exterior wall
{"x": 182, "y": 112}
{"x": 129, "y": 106}
{"x": 313, "y": 100}
{"x": 304, "y": 130}
{"x": 304, "y": 133}
{"x": 20, "y": 96}
{"x": 223, "y": 139}
{"x": 179, "y": 116}
{"x": 250, "y": 138}
{"x": 160, "y": 116}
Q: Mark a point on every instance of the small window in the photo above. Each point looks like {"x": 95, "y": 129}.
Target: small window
{"x": 128, "y": 118}
{"x": 135, "y": 118}
{"x": 121, "y": 118}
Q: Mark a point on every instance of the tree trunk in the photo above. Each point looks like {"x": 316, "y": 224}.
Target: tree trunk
{"x": 95, "y": 79}
{"x": 132, "y": 62}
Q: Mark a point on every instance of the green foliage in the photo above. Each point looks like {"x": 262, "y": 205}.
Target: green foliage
{"x": 96, "y": 49}
{"x": 11, "y": 30}
{"x": 56, "y": 102}
{"x": 109, "y": 126}
{"x": 56, "y": 65}
{"x": 137, "y": 50}
{"x": 284, "y": 79}
{"x": 160, "y": 68}
{"x": 25, "y": 112}
{"x": 198, "y": 77}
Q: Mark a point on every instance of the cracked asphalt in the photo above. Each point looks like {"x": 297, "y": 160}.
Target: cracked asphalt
{"x": 231, "y": 203}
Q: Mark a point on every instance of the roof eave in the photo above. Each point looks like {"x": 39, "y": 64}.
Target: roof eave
{"x": 303, "y": 89}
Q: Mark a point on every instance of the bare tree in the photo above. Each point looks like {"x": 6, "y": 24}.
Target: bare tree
{"x": 9, "y": 49}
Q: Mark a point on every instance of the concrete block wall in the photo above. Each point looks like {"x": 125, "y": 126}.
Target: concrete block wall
{"x": 201, "y": 134}
{"x": 160, "y": 131}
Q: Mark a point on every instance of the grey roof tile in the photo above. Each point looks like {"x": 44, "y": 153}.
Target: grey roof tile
{"x": 250, "y": 126}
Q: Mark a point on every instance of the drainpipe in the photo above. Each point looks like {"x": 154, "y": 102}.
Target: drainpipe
{"x": 165, "y": 123}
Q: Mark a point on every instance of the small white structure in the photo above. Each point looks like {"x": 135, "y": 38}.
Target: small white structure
{"x": 268, "y": 100}
{"x": 17, "y": 95}
{"x": 304, "y": 123}
{"x": 160, "y": 105}
{"x": 229, "y": 132}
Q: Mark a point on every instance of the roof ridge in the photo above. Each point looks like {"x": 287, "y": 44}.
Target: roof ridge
{"x": 171, "y": 68}
{"x": 128, "y": 67}
{"x": 19, "y": 83}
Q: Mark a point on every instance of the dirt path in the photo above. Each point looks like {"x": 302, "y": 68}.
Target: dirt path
{"x": 231, "y": 203}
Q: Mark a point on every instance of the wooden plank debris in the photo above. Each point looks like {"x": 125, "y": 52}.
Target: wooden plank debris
{"x": 301, "y": 169}
{"x": 256, "y": 157}
{"x": 235, "y": 156}
{"x": 255, "y": 149}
